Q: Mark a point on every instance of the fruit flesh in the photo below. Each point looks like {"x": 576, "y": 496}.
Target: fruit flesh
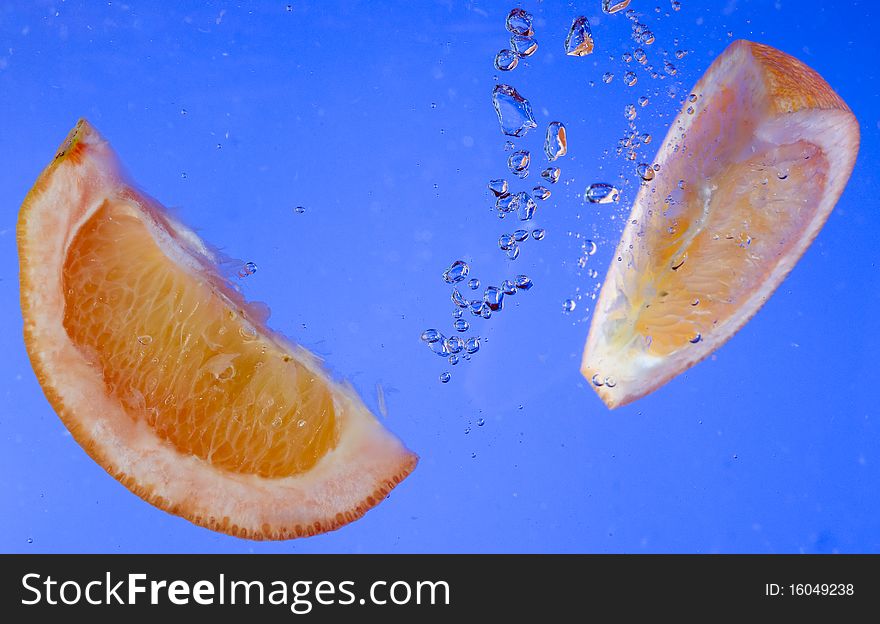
{"x": 747, "y": 175}
{"x": 183, "y": 359}
{"x": 66, "y": 211}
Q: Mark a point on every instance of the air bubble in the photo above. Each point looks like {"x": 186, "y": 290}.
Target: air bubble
{"x": 645, "y": 171}
{"x": 518, "y": 163}
{"x": 551, "y": 174}
{"x": 472, "y": 344}
{"x": 523, "y": 282}
{"x": 506, "y": 60}
{"x": 541, "y": 192}
{"x": 519, "y": 22}
{"x": 499, "y": 187}
{"x": 456, "y": 272}
{"x": 555, "y": 143}
{"x": 613, "y": 6}
{"x": 579, "y": 41}
{"x": 513, "y": 110}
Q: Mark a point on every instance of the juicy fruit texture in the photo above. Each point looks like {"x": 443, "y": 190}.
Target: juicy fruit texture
{"x": 186, "y": 362}
{"x": 170, "y": 380}
{"x": 749, "y": 172}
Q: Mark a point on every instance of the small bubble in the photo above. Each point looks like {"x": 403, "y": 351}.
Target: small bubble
{"x": 629, "y": 111}
{"x": 629, "y": 79}
{"x": 520, "y": 235}
{"x": 523, "y": 45}
{"x": 499, "y": 187}
{"x": 526, "y": 206}
{"x": 538, "y": 234}
{"x": 643, "y": 101}
{"x": 506, "y": 60}
{"x": 597, "y": 381}
{"x": 589, "y": 247}
{"x": 519, "y": 22}
{"x": 551, "y": 174}
{"x": 640, "y": 56}
{"x": 613, "y": 6}
{"x": 541, "y": 192}
{"x": 145, "y": 339}
{"x": 610, "y": 382}
{"x": 481, "y": 422}
{"x": 645, "y": 138}
{"x": 601, "y": 193}
{"x": 277, "y": 421}
{"x": 607, "y": 77}
{"x": 30, "y": 540}
{"x": 461, "y": 325}
{"x": 472, "y": 344}
{"x": 248, "y": 269}
{"x": 508, "y": 287}
{"x": 248, "y": 332}
{"x": 299, "y": 210}
{"x": 680, "y": 54}
{"x": 494, "y": 298}
{"x": 579, "y": 41}
{"x": 453, "y": 359}
{"x": 433, "y": 104}
{"x": 523, "y": 282}
{"x": 690, "y": 110}
{"x": 513, "y": 110}
{"x": 782, "y": 174}
{"x": 568, "y": 306}
{"x": 458, "y": 299}
{"x": 695, "y": 302}
{"x": 473, "y": 283}
{"x": 445, "y": 377}
{"x": 505, "y": 242}
{"x": 669, "y": 68}
{"x": 555, "y": 143}
{"x": 518, "y": 163}
{"x": 645, "y": 171}
{"x": 456, "y": 272}
{"x": 692, "y": 97}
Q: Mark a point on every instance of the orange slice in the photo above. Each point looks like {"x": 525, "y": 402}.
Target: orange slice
{"x": 748, "y": 174}
{"x": 170, "y": 380}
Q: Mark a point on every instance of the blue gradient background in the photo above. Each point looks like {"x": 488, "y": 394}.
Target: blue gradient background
{"x": 770, "y": 446}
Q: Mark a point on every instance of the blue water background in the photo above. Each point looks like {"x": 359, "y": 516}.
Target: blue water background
{"x": 376, "y": 118}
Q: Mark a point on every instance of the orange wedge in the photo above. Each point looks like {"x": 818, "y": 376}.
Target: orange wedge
{"x": 170, "y": 380}
{"x": 748, "y": 173}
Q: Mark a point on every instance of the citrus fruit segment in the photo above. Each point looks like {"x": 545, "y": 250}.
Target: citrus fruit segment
{"x": 170, "y": 380}
{"x": 748, "y": 173}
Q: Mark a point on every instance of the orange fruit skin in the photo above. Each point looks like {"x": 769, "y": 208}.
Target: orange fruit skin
{"x": 251, "y": 508}
{"x": 785, "y": 93}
